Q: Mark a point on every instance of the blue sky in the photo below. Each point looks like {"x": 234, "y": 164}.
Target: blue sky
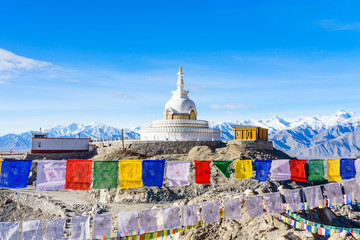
{"x": 115, "y": 62}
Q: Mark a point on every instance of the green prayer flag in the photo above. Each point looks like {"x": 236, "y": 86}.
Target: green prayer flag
{"x": 105, "y": 174}
{"x": 223, "y": 166}
{"x": 316, "y": 170}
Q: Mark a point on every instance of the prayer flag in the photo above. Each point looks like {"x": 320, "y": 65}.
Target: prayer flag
{"x": 357, "y": 167}
{"x": 333, "y": 169}
{"x": 210, "y": 211}
{"x": 223, "y": 166}
{"x": 314, "y": 196}
{"x": 254, "y": 206}
{"x": 15, "y": 173}
{"x": 80, "y": 227}
{"x": 243, "y": 169}
{"x": 32, "y": 230}
{"x": 105, "y": 174}
{"x": 293, "y": 199}
{"x": 297, "y": 169}
{"x": 347, "y": 168}
{"x": 55, "y": 229}
{"x": 233, "y": 208}
{"x": 177, "y": 173}
{"x": 78, "y": 174}
{"x": 280, "y": 170}
{"x": 171, "y": 218}
{"x": 128, "y": 222}
{"x": 273, "y": 202}
{"x": 50, "y": 175}
{"x": 262, "y": 168}
{"x": 189, "y": 215}
{"x": 148, "y": 220}
{"x": 130, "y": 174}
{"x": 202, "y": 172}
{"x": 333, "y": 190}
{"x": 351, "y": 188}
{"x": 9, "y": 230}
{"x": 153, "y": 173}
{"x": 316, "y": 170}
{"x": 102, "y": 226}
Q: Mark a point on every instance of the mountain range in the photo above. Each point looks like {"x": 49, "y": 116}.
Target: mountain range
{"x": 332, "y": 136}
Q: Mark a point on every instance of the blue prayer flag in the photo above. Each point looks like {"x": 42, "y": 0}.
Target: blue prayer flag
{"x": 262, "y": 168}
{"x": 153, "y": 172}
{"x": 15, "y": 173}
{"x": 347, "y": 168}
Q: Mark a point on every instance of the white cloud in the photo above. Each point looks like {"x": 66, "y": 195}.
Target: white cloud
{"x": 229, "y": 106}
{"x": 12, "y": 65}
{"x": 2, "y": 82}
{"x": 121, "y": 95}
{"x": 336, "y": 26}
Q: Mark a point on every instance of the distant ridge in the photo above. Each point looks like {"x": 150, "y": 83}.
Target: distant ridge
{"x": 332, "y": 136}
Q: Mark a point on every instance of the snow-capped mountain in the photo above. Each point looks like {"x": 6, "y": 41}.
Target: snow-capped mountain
{"x": 332, "y": 136}
{"x": 22, "y": 142}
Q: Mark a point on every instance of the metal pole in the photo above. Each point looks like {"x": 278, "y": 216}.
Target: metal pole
{"x": 122, "y": 134}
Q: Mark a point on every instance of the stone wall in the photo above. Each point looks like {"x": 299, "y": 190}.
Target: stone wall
{"x": 258, "y": 145}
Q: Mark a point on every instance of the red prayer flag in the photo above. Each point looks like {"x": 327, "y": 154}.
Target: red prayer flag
{"x": 202, "y": 172}
{"x": 297, "y": 170}
{"x": 78, "y": 174}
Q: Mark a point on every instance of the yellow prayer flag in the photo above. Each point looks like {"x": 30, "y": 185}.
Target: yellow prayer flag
{"x": 243, "y": 169}
{"x": 130, "y": 173}
{"x": 333, "y": 169}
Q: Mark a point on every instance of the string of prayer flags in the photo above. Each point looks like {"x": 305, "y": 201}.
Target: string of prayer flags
{"x": 273, "y": 202}
{"x": 293, "y": 199}
{"x": 243, "y": 169}
{"x": 210, "y": 211}
{"x": 9, "y": 230}
{"x": 15, "y": 173}
{"x": 333, "y": 191}
{"x": 128, "y": 223}
{"x": 262, "y": 168}
{"x": 51, "y": 175}
{"x": 347, "y": 168}
{"x": 130, "y": 174}
{"x": 153, "y": 173}
{"x": 298, "y": 170}
{"x": 105, "y": 174}
{"x": 202, "y": 172}
{"x": 233, "y": 208}
{"x": 32, "y": 230}
{"x": 313, "y": 196}
{"x": 177, "y": 173}
{"x": 55, "y": 229}
{"x": 171, "y": 218}
{"x": 351, "y": 188}
{"x": 254, "y": 206}
{"x": 316, "y": 170}
{"x": 333, "y": 170}
{"x": 148, "y": 220}
{"x": 280, "y": 170}
{"x": 189, "y": 215}
{"x": 102, "y": 226}
{"x": 80, "y": 227}
{"x": 223, "y": 166}
{"x": 78, "y": 174}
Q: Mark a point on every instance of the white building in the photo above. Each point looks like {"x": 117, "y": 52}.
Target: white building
{"x": 41, "y": 143}
{"x": 180, "y": 122}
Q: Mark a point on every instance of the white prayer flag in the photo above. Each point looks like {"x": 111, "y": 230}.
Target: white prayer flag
{"x": 55, "y": 229}
{"x": 171, "y": 218}
{"x": 80, "y": 227}
{"x": 128, "y": 223}
{"x": 233, "y": 208}
{"x": 102, "y": 226}
{"x": 211, "y": 211}
{"x": 189, "y": 215}
{"x": 9, "y": 230}
{"x": 32, "y": 230}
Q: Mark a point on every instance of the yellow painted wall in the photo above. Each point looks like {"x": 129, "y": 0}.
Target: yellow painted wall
{"x": 251, "y": 133}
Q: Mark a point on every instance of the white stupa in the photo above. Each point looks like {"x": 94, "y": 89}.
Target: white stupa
{"x": 180, "y": 122}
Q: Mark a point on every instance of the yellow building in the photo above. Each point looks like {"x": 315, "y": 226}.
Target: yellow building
{"x": 245, "y": 132}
